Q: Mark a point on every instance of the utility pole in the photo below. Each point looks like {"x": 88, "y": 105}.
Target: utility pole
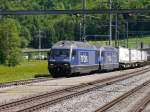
{"x": 80, "y": 31}
{"x": 39, "y": 35}
{"x": 116, "y": 34}
{"x": 7, "y": 37}
{"x": 118, "y": 39}
{"x": 0, "y": 15}
{"x": 84, "y": 20}
{"x": 110, "y": 24}
{"x": 127, "y": 23}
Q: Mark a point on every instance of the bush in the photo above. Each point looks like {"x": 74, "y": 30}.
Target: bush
{"x": 14, "y": 57}
{"x": 10, "y": 53}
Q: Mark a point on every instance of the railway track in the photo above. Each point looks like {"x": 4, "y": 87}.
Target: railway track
{"x": 125, "y": 95}
{"x": 139, "y": 107}
{"x": 24, "y": 82}
{"x": 44, "y": 100}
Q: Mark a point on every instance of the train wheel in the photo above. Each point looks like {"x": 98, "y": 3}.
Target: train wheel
{"x": 54, "y": 75}
{"x": 68, "y": 75}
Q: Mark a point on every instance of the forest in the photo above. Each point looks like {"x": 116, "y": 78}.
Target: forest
{"x": 24, "y": 30}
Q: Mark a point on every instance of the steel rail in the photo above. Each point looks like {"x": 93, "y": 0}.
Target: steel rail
{"x": 100, "y": 11}
{"x": 24, "y": 82}
{"x": 139, "y": 107}
{"x": 59, "y": 95}
{"x": 122, "y": 97}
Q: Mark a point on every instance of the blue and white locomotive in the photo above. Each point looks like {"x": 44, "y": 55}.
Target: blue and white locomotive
{"x": 69, "y": 57}
{"x": 108, "y": 58}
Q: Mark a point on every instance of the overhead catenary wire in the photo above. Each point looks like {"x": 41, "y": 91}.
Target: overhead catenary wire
{"x": 80, "y": 11}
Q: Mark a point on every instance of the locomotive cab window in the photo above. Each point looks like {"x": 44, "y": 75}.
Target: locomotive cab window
{"x": 60, "y": 52}
{"x": 74, "y": 53}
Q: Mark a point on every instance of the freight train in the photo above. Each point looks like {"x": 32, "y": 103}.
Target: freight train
{"x": 73, "y": 57}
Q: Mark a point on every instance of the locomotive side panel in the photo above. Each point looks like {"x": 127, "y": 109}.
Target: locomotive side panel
{"x": 109, "y": 58}
{"x": 88, "y": 60}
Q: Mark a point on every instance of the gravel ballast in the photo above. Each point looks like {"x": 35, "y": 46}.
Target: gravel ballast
{"x": 128, "y": 103}
{"x": 91, "y": 101}
{"x": 10, "y": 94}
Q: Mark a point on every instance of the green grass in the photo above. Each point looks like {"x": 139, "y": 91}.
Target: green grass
{"x": 26, "y": 70}
{"x": 32, "y": 69}
{"x": 132, "y": 42}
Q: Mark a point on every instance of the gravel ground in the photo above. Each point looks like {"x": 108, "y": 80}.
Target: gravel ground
{"x": 13, "y": 93}
{"x": 127, "y": 104}
{"x": 91, "y": 101}
{"x": 147, "y": 109}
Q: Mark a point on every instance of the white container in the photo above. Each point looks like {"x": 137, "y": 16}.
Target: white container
{"x": 139, "y": 56}
{"x": 124, "y": 55}
{"x": 144, "y": 56}
{"x": 134, "y": 55}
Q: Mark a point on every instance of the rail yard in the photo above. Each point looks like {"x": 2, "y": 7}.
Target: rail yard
{"x": 74, "y": 56}
{"x": 97, "y": 92}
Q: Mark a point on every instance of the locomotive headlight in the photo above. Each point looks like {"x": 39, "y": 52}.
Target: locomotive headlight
{"x": 51, "y": 64}
{"x": 67, "y": 65}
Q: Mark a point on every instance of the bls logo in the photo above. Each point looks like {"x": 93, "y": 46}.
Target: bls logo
{"x": 84, "y": 57}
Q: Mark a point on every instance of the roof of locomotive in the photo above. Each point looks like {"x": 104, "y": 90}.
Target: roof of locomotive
{"x": 106, "y": 48}
{"x": 73, "y": 44}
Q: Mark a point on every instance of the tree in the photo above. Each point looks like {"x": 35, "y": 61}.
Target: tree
{"x": 10, "y": 53}
{"x": 64, "y": 27}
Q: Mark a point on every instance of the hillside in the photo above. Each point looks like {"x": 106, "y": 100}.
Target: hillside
{"x": 52, "y": 28}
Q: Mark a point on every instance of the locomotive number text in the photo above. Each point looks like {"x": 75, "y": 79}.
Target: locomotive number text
{"x": 84, "y": 57}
